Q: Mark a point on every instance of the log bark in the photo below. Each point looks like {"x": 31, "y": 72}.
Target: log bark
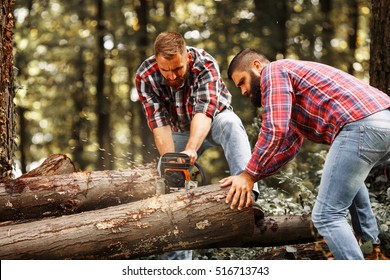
{"x": 192, "y": 219}
{"x": 56, "y": 164}
{"x": 33, "y": 195}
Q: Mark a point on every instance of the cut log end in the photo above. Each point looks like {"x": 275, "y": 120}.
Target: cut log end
{"x": 56, "y": 164}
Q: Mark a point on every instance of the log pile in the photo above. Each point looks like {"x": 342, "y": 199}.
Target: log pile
{"x": 62, "y": 191}
{"x": 56, "y": 213}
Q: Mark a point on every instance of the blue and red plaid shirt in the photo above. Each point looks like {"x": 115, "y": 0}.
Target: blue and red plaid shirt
{"x": 310, "y": 100}
{"x": 202, "y": 92}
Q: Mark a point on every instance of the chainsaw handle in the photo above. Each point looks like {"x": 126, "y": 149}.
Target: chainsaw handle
{"x": 174, "y": 160}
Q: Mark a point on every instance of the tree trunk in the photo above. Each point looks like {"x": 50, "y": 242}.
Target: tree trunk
{"x": 148, "y": 150}
{"x": 80, "y": 127}
{"x": 353, "y": 14}
{"x": 327, "y": 31}
{"x": 194, "y": 219}
{"x": 272, "y": 15}
{"x": 103, "y": 101}
{"x": 380, "y": 45}
{"x": 7, "y": 106}
{"x": 34, "y": 196}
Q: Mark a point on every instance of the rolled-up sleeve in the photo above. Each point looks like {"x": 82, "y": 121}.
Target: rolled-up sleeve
{"x": 210, "y": 93}
{"x": 152, "y": 105}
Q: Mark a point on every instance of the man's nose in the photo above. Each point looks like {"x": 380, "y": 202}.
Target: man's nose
{"x": 171, "y": 75}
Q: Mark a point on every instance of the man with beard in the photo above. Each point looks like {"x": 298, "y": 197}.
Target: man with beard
{"x": 302, "y": 99}
{"x": 187, "y": 106}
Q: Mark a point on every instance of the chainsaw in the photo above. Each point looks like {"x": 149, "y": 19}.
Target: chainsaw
{"x": 178, "y": 173}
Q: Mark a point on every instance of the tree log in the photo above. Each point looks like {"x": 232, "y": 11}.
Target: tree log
{"x": 55, "y": 164}
{"x": 192, "y": 219}
{"x": 162, "y": 223}
{"x": 34, "y": 196}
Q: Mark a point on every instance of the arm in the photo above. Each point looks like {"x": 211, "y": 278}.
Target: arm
{"x": 200, "y": 127}
{"x": 151, "y": 97}
{"x": 287, "y": 151}
{"x": 163, "y": 139}
{"x": 277, "y": 142}
{"x": 209, "y": 95}
{"x": 241, "y": 185}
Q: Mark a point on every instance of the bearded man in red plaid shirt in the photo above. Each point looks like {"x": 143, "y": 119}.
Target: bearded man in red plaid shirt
{"x": 302, "y": 99}
{"x": 187, "y": 106}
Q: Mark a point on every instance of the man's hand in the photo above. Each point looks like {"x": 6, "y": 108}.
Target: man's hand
{"x": 192, "y": 154}
{"x": 240, "y": 193}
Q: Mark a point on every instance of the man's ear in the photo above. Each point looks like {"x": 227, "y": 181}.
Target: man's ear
{"x": 189, "y": 55}
{"x": 257, "y": 64}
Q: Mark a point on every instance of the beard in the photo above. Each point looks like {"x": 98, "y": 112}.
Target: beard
{"x": 179, "y": 81}
{"x": 176, "y": 83}
{"x": 254, "y": 93}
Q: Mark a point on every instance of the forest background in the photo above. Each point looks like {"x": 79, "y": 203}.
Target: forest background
{"x": 75, "y": 63}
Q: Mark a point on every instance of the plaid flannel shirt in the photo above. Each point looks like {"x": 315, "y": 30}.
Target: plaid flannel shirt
{"x": 306, "y": 100}
{"x": 202, "y": 92}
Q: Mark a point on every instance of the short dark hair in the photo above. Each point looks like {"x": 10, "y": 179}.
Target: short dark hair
{"x": 242, "y": 61}
{"x": 168, "y": 44}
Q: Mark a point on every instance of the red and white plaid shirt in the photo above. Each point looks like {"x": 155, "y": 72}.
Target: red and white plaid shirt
{"x": 202, "y": 92}
{"x": 306, "y": 100}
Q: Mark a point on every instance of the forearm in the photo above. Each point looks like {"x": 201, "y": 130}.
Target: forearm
{"x": 200, "y": 127}
{"x": 163, "y": 139}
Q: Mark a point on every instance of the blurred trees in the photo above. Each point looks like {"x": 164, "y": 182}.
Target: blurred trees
{"x": 76, "y": 62}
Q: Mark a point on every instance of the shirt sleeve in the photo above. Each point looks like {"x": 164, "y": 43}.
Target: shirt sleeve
{"x": 152, "y": 105}
{"x": 288, "y": 150}
{"x": 277, "y": 142}
{"x": 211, "y": 94}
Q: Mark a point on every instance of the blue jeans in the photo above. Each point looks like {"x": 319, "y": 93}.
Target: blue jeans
{"x": 228, "y": 132}
{"x": 358, "y": 147}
